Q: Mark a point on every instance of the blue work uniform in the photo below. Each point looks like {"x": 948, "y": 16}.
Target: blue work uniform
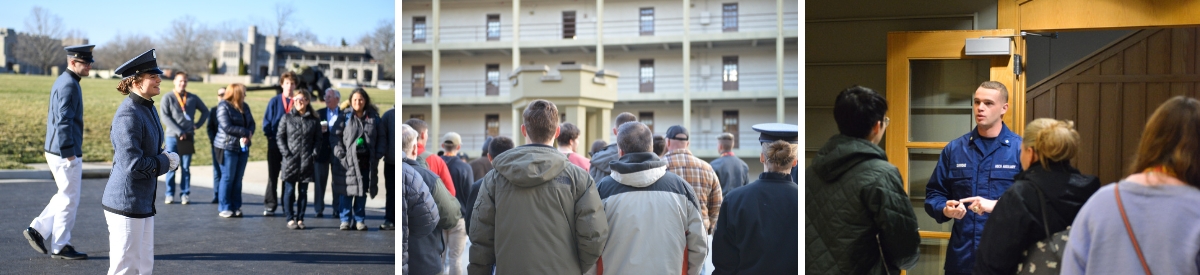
{"x": 968, "y": 167}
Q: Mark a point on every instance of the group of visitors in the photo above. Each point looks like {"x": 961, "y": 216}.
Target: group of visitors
{"x": 545, "y": 209}
{"x": 1017, "y": 203}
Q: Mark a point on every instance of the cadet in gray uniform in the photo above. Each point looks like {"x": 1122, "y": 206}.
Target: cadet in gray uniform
{"x": 64, "y": 155}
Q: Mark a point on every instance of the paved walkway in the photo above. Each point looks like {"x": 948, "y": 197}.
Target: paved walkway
{"x": 191, "y": 239}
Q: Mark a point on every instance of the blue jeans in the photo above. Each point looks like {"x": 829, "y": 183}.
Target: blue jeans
{"x": 359, "y": 205}
{"x": 185, "y": 166}
{"x": 233, "y": 167}
{"x": 293, "y": 203}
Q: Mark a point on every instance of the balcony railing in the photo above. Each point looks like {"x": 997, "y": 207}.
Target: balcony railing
{"x": 460, "y": 88}
{"x": 750, "y": 22}
{"x": 672, "y": 84}
{"x": 747, "y": 138}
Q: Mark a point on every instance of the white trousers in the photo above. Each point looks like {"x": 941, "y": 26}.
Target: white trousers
{"x": 456, "y": 240}
{"x": 58, "y": 218}
{"x": 130, "y": 244}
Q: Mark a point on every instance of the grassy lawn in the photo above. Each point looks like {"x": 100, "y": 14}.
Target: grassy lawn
{"x": 26, "y": 99}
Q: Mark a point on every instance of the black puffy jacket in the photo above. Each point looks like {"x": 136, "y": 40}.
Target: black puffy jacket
{"x": 420, "y": 213}
{"x": 858, "y": 219}
{"x": 299, "y": 138}
{"x": 233, "y": 126}
{"x": 1016, "y": 220}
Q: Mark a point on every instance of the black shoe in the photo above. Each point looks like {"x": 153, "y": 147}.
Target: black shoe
{"x": 237, "y": 213}
{"x": 215, "y": 200}
{"x": 35, "y": 240}
{"x": 268, "y": 213}
{"x": 319, "y": 215}
{"x": 387, "y": 226}
{"x": 68, "y": 252}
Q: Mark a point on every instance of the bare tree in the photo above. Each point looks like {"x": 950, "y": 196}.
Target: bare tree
{"x": 382, "y": 44}
{"x": 186, "y": 45}
{"x": 120, "y": 49}
{"x": 283, "y": 16}
{"x": 230, "y": 30}
{"x": 40, "y": 46}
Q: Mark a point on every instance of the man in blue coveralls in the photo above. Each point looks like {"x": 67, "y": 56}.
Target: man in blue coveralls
{"x": 979, "y": 165}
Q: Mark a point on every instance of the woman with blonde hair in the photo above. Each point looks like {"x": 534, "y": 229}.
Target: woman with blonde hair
{"x": 1047, "y": 179}
{"x": 235, "y": 126}
{"x": 1147, "y": 221}
{"x": 138, "y": 159}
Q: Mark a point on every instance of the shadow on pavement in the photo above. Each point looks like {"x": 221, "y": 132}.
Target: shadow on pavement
{"x": 285, "y": 256}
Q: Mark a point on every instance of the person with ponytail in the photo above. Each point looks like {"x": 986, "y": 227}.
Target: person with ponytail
{"x": 138, "y": 159}
{"x": 1149, "y": 220}
{"x": 1016, "y": 220}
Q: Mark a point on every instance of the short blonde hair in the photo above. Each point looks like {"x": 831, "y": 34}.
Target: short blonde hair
{"x": 1053, "y": 140}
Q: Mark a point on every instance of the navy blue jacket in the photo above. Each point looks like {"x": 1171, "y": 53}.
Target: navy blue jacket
{"x": 461, "y": 174}
{"x": 64, "y": 117}
{"x": 420, "y": 213}
{"x": 732, "y": 172}
{"x": 233, "y": 125}
{"x": 275, "y": 111}
{"x": 137, "y": 138}
{"x": 966, "y": 170}
{"x": 756, "y": 230}
{"x": 389, "y": 129}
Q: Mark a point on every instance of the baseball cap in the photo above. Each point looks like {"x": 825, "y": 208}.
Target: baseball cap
{"x": 677, "y": 133}
{"x": 452, "y": 138}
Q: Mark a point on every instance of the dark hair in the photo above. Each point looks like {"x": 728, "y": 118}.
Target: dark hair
{"x": 857, "y": 109}
{"x": 566, "y": 133}
{"x": 368, "y": 108}
{"x": 288, "y": 75}
{"x": 1172, "y": 139}
{"x": 660, "y": 145}
{"x": 417, "y": 124}
{"x": 486, "y": 143}
{"x": 622, "y": 118}
{"x": 597, "y": 145}
{"x": 541, "y": 120}
{"x": 499, "y": 145}
{"x": 634, "y": 137}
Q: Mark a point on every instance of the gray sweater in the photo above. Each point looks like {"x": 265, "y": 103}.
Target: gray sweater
{"x": 174, "y": 118}
{"x": 137, "y": 142}
{"x": 1164, "y": 218}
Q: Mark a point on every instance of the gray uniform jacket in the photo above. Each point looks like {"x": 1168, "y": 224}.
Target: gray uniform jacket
{"x": 182, "y": 121}
{"x": 64, "y": 117}
{"x": 137, "y": 140}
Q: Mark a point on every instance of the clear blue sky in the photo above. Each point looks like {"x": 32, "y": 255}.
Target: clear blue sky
{"x": 101, "y": 21}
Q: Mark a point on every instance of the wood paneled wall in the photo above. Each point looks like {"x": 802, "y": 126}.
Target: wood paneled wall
{"x": 1112, "y": 92}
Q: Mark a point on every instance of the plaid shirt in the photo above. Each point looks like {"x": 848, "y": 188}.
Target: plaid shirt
{"x": 703, "y": 180}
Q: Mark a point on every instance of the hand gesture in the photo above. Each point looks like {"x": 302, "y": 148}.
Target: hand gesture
{"x": 980, "y": 205}
{"x": 954, "y": 209}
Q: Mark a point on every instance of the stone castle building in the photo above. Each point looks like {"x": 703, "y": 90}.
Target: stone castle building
{"x": 265, "y": 59}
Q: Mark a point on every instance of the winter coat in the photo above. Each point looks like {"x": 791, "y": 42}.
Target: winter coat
{"x": 536, "y": 214}
{"x": 732, "y": 172}
{"x": 756, "y": 233}
{"x": 461, "y": 173}
{"x": 967, "y": 169}
{"x": 64, "y": 117}
{"x": 599, "y": 166}
{"x": 1016, "y": 221}
{"x": 480, "y": 167}
{"x": 212, "y": 126}
{"x": 654, "y": 219}
{"x": 426, "y": 256}
{"x": 858, "y": 218}
{"x": 420, "y": 213}
{"x": 174, "y": 119}
{"x": 298, "y": 139}
{"x": 349, "y": 128}
{"x": 389, "y": 127}
{"x": 137, "y": 140}
{"x": 233, "y": 125}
